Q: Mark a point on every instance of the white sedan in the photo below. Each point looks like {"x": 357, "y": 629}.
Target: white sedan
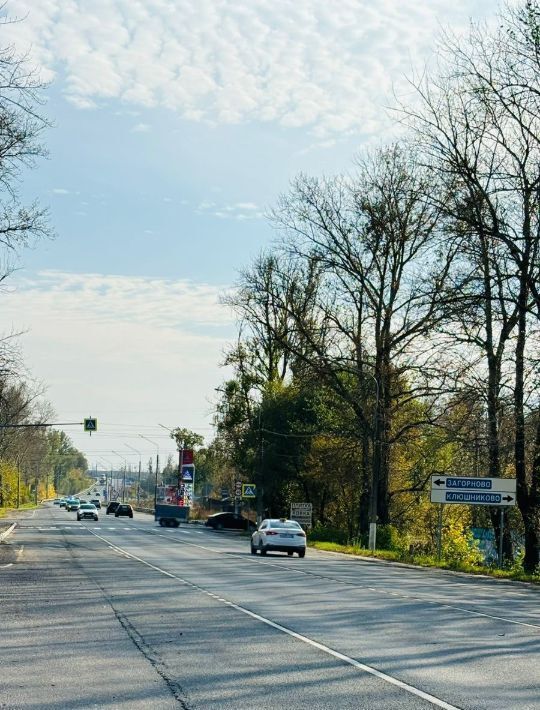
{"x": 281, "y": 535}
{"x": 87, "y": 510}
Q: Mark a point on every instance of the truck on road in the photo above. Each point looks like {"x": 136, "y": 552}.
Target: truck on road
{"x": 170, "y": 515}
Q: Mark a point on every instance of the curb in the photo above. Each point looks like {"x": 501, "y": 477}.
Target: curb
{"x": 408, "y": 565}
{"x": 7, "y": 532}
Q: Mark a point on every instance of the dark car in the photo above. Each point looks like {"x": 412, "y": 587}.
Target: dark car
{"x": 124, "y": 509}
{"x": 113, "y": 505}
{"x": 229, "y": 521}
{"x": 96, "y": 502}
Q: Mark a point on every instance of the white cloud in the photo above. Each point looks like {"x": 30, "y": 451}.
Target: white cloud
{"x": 326, "y": 65}
{"x": 141, "y": 128}
{"x": 239, "y": 210}
{"x": 60, "y": 191}
{"x": 104, "y": 343}
{"x": 156, "y": 302}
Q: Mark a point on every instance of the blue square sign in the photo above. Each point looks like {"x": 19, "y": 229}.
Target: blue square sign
{"x": 188, "y": 473}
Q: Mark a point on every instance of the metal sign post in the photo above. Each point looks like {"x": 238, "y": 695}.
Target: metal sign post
{"x": 439, "y": 533}
{"x": 237, "y": 496}
{"x": 501, "y": 534}
{"x": 473, "y": 490}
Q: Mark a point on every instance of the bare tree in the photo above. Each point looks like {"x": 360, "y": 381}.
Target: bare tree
{"x": 479, "y": 126}
{"x": 359, "y": 288}
{"x": 21, "y": 127}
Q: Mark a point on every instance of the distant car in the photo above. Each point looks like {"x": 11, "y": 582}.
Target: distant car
{"x": 72, "y": 504}
{"x": 229, "y": 521}
{"x": 56, "y": 501}
{"x": 96, "y": 502}
{"x": 87, "y": 510}
{"x": 113, "y": 505}
{"x": 62, "y": 502}
{"x": 124, "y": 509}
{"x": 281, "y": 535}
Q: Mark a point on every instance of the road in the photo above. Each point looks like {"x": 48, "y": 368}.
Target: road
{"x": 120, "y": 613}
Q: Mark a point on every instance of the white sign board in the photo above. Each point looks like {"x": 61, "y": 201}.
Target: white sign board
{"x": 302, "y": 513}
{"x": 472, "y": 490}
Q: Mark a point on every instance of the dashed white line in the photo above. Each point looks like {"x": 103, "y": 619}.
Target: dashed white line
{"x": 427, "y": 600}
{"x": 300, "y": 637}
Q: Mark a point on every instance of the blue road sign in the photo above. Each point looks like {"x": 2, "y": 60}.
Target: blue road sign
{"x": 249, "y": 490}
{"x": 188, "y": 473}
{"x": 465, "y": 497}
{"x": 473, "y": 490}
{"x": 473, "y": 497}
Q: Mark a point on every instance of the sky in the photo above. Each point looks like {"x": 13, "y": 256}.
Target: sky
{"x": 176, "y": 124}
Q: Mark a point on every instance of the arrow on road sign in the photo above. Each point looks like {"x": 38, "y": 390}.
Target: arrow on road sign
{"x": 508, "y": 498}
{"x": 438, "y": 482}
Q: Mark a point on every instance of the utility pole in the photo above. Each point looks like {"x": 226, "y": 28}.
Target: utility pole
{"x": 375, "y": 470}
{"x": 108, "y": 485}
{"x": 157, "y": 466}
{"x": 180, "y": 465}
{"x": 124, "y": 476}
{"x": 139, "y": 479}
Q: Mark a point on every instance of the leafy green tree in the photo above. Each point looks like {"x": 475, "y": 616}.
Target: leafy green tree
{"x": 186, "y": 439}
{"x": 62, "y": 457}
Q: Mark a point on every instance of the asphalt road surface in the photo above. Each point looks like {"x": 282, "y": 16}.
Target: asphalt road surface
{"x": 121, "y": 613}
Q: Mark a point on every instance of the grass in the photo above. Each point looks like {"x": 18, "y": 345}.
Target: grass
{"x": 23, "y": 506}
{"x": 514, "y": 573}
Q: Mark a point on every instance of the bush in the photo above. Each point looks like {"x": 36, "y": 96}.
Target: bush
{"x": 326, "y": 533}
{"x": 459, "y": 546}
{"x": 389, "y": 538}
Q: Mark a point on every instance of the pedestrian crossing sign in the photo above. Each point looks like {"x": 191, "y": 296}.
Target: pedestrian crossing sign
{"x": 249, "y": 490}
{"x": 90, "y": 424}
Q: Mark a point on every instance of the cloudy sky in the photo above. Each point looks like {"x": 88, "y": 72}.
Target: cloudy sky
{"x": 177, "y": 123}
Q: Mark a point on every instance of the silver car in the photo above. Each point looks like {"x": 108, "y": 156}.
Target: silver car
{"x": 281, "y": 535}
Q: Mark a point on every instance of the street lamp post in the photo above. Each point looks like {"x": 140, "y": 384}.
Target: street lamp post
{"x": 157, "y": 466}
{"x": 108, "y": 485}
{"x": 139, "y": 479}
{"x": 375, "y": 470}
{"x": 124, "y": 476}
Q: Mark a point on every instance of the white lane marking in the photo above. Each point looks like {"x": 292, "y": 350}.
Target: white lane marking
{"x": 8, "y": 565}
{"x": 425, "y": 600}
{"x": 284, "y": 629}
{"x": 8, "y": 532}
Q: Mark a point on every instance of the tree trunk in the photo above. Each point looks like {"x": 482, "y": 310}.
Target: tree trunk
{"x": 525, "y": 501}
